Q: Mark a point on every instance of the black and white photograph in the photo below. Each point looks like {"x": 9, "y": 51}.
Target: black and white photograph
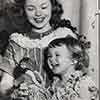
{"x": 49, "y": 49}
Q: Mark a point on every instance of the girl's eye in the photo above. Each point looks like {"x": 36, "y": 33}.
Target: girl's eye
{"x": 49, "y": 56}
{"x": 57, "y": 55}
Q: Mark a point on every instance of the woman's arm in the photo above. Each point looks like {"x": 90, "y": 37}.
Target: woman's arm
{"x": 6, "y": 83}
{"x": 7, "y": 67}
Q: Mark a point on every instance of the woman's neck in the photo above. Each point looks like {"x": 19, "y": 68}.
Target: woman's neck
{"x": 42, "y": 30}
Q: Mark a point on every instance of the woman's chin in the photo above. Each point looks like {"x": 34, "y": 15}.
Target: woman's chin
{"x": 39, "y": 25}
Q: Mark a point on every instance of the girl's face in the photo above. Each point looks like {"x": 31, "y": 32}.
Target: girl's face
{"x": 38, "y": 12}
{"x": 59, "y": 59}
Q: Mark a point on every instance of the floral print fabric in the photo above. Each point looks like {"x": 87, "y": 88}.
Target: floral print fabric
{"x": 29, "y": 91}
{"x": 74, "y": 87}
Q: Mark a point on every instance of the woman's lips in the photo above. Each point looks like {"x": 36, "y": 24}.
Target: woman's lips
{"x": 39, "y": 20}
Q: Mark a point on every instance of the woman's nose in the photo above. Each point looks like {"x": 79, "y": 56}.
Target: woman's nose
{"x": 38, "y": 13}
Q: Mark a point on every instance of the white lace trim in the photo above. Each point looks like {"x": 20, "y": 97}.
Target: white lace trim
{"x": 26, "y": 42}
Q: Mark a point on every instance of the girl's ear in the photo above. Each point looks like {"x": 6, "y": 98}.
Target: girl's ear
{"x": 74, "y": 61}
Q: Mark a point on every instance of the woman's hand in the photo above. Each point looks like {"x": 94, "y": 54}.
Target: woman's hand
{"x": 6, "y": 83}
{"x": 36, "y": 78}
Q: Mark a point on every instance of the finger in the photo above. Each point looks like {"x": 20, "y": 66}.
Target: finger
{"x": 32, "y": 75}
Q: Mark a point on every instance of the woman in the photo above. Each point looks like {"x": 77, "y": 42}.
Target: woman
{"x": 43, "y": 18}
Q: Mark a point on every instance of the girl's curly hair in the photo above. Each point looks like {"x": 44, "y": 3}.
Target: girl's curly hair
{"x": 79, "y": 54}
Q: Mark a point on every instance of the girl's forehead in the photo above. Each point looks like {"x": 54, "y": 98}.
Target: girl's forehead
{"x": 60, "y": 49}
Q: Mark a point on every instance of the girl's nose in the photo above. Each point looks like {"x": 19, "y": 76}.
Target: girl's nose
{"x": 53, "y": 61}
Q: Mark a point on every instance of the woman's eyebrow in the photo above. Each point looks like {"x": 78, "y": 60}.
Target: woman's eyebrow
{"x": 29, "y": 5}
{"x": 44, "y": 4}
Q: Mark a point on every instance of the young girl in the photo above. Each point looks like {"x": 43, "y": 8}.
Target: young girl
{"x": 69, "y": 62}
{"x": 42, "y": 24}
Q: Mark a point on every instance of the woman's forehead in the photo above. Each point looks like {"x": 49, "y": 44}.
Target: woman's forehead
{"x": 36, "y": 2}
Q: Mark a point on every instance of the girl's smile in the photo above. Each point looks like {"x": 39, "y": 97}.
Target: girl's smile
{"x": 59, "y": 59}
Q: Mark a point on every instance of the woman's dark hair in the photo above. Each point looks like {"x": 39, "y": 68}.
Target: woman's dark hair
{"x": 55, "y": 21}
{"x": 4, "y": 36}
{"x": 78, "y": 53}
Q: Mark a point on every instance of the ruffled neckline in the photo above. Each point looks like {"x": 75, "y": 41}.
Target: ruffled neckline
{"x": 37, "y": 35}
{"x": 24, "y": 40}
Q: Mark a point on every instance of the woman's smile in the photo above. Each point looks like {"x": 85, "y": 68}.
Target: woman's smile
{"x": 39, "y": 19}
{"x": 38, "y": 13}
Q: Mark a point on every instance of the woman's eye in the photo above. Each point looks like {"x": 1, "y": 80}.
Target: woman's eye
{"x": 30, "y": 8}
{"x": 44, "y": 6}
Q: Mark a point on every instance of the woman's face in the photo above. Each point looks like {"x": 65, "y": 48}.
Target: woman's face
{"x": 59, "y": 59}
{"x": 38, "y": 12}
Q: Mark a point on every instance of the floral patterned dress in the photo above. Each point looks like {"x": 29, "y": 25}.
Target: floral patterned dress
{"x": 74, "y": 87}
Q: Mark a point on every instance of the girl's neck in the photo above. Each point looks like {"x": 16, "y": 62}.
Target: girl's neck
{"x": 68, "y": 72}
{"x": 42, "y": 30}
{"x": 64, "y": 76}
